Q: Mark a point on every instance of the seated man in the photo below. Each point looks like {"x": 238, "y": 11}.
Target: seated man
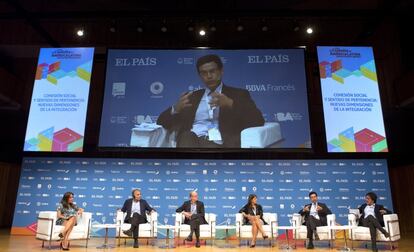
{"x": 136, "y": 209}
{"x": 315, "y": 216}
{"x": 214, "y": 116}
{"x": 193, "y": 211}
{"x": 372, "y": 217}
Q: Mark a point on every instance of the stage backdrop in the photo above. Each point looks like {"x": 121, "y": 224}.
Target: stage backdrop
{"x": 351, "y": 100}
{"x": 59, "y": 100}
{"x": 140, "y": 84}
{"x": 282, "y": 187}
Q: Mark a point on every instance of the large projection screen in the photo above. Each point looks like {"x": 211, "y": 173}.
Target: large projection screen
{"x": 351, "y": 100}
{"x": 59, "y": 101}
{"x": 255, "y": 98}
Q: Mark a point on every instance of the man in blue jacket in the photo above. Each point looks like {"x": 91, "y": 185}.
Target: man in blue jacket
{"x": 136, "y": 209}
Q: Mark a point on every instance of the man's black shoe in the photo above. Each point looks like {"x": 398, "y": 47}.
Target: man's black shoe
{"x": 128, "y": 232}
{"x": 197, "y": 244}
{"x": 189, "y": 239}
{"x": 310, "y": 245}
{"x": 136, "y": 245}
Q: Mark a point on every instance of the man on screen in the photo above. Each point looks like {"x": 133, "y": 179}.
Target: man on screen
{"x": 214, "y": 116}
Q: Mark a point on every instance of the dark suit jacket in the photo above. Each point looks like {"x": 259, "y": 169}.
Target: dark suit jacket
{"x": 186, "y": 207}
{"x": 242, "y": 115}
{"x": 378, "y": 215}
{"x": 322, "y": 214}
{"x": 247, "y": 209}
{"x": 145, "y": 207}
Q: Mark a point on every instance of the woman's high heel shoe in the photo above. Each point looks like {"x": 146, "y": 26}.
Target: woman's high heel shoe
{"x": 253, "y": 245}
{"x": 61, "y": 246}
{"x": 265, "y": 237}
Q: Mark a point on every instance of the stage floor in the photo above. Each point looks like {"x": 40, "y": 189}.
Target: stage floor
{"x": 30, "y": 244}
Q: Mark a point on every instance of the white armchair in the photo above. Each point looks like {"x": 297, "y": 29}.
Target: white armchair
{"x": 324, "y": 233}
{"x": 207, "y": 231}
{"x": 262, "y": 136}
{"x": 47, "y": 230}
{"x": 153, "y": 135}
{"x": 146, "y": 230}
{"x": 360, "y": 233}
{"x": 245, "y": 231}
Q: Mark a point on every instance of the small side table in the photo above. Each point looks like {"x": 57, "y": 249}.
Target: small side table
{"x": 287, "y": 228}
{"x": 167, "y": 237}
{"x": 343, "y": 228}
{"x": 106, "y": 227}
{"x": 226, "y": 228}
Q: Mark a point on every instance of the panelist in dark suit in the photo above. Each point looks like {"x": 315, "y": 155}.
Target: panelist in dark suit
{"x": 315, "y": 215}
{"x": 193, "y": 211}
{"x": 214, "y": 116}
{"x": 372, "y": 217}
{"x": 253, "y": 215}
{"x": 136, "y": 210}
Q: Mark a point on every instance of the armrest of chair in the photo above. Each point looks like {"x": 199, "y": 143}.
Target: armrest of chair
{"x": 45, "y": 222}
{"x": 331, "y": 218}
{"x": 261, "y": 136}
{"x": 352, "y": 220}
{"x": 153, "y": 220}
{"x": 120, "y": 217}
{"x": 212, "y": 222}
{"x": 149, "y": 135}
{"x": 239, "y": 223}
{"x": 84, "y": 219}
{"x": 273, "y": 226}
{"x": 178, "y": 221}
{"x": 392, "y": 224}
{"x": 297, "y": 220}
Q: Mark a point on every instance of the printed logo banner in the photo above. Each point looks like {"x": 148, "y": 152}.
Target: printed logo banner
{"x": 59, "y": 101}
{"x": 282, "y": 186}
{"x": 351, "y": 100}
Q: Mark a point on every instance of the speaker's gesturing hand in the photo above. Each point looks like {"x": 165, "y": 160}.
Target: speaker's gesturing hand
{"x": 183, "y": 102}
{"x": 221, "y": 100}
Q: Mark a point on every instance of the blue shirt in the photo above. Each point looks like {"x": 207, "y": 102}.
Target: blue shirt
{"x": 206, "y": 117}
{"x": 136, "y": 207}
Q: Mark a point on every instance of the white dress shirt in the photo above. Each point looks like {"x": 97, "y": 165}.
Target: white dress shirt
{"x": 369, "y": 210}
{"x": 314, "y": 210}
{"x": 193, "y": 208}
{"x": 136, "y": 207}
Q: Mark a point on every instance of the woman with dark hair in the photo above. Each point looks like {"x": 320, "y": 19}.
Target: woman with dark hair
{"x": 253, "y": 215}
{"x": 372, "y": 217}
{"x": 66, "y": 214}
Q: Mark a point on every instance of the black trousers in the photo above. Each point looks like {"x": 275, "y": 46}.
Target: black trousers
{"x": 135, "y": 220}
{"x": 189, "y": 139}
{"x": 373, "y": 224}
{"x": 311, "y": 224}
{"x": 195, "y": 227}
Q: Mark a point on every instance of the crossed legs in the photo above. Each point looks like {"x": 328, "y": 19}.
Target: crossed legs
{"x": 373, "y": 224}
{"x": 68, "y": 226}
{"x": 257, "y": 226}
